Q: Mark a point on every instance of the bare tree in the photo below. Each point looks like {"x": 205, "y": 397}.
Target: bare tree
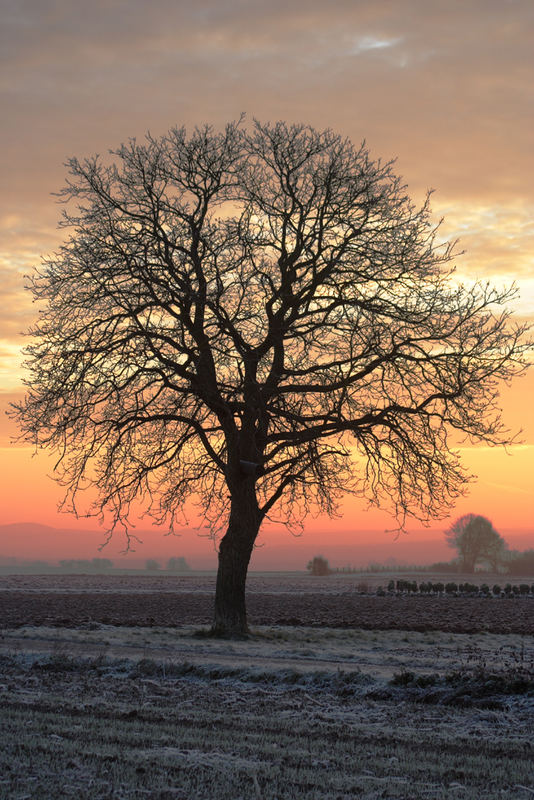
{"x": 476, "y": 539}
{"x": 235, "y": 316}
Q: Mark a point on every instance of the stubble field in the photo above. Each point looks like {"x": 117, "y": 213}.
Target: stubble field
{"x": 107, "y": 690}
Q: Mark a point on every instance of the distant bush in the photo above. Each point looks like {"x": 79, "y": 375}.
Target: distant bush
{"x": 178, "y": 564}
{"x": 101, "y": 564}
{"x": 468, "y": 588}
{"x": 151, "y": 565}
{"x": 451, "y": 587}
{"x": 443, "y": 566}
{"x": 318, "y": 566}
{"x": 406, "y": 586}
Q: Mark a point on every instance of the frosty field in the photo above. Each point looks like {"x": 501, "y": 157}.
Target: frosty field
{"x": 101, "y": 710}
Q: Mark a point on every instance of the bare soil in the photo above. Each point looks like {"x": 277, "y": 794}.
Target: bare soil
{"x": 276, "y": 600}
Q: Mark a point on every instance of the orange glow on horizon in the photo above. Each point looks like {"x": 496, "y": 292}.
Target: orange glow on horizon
{"x": 504, "y": 492}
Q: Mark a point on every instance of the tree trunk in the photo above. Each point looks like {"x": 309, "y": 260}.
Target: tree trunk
{"x": 234, "y": 555}
{"x": 468, "y": 567}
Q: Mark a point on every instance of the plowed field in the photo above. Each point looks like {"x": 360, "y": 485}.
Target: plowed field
{"x": 168, "y": 601}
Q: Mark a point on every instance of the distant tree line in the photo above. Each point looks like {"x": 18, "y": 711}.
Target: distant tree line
{"x": 86, "y": 565}
{"x": 402, "y": 586}
{"x": 480, "y": 548}
{"x": 174, "y": 564}
{"x": 521, "y": 563}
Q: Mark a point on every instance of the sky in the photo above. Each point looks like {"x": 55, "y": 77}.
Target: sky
{"x": 444, "y": 87}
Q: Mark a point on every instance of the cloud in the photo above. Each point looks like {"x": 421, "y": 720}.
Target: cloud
{"x": 446, "y": 87}
{"x": 486, "y": 450}
{"x": 10, "y": 366}
{"x": 24, "y": 239}
{"x": 365, "y": 43}
{"x": 498, "y": 245}
{"x": 17, "y": 309}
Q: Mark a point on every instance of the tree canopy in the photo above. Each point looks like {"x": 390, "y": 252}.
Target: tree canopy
{"x": 261, "y": 320}
{"x": 318, "y": 566}
{"x": 476, "y": 540}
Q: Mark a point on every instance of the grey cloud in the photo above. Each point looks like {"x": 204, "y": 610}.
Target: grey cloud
{"x": 449, "y": 93}
{"x": 451, "y": 86}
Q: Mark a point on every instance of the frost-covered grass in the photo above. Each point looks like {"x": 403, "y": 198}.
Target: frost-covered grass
{"x": 291, "y": 713}
{"x": 379, "y": 654}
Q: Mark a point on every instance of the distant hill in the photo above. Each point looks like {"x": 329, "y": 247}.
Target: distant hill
{"x": 35, "y": 541}
{"x": 26, "y": 528}
{"x": 38, "y": 529}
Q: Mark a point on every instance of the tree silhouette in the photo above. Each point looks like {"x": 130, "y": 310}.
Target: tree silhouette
{"x": 476, "y": 539}
{"x": 235, "y": 316}
{"x": 178, "y": 564}
{"x": 318, "y": 566}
